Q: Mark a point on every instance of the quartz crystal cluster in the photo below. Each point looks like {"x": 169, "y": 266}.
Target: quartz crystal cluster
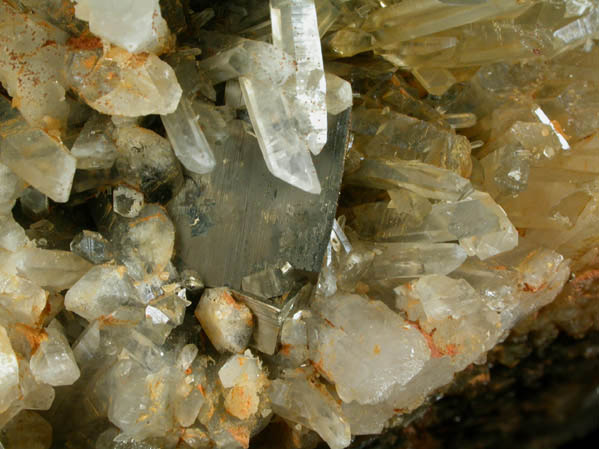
{"x": 470, "y": 187}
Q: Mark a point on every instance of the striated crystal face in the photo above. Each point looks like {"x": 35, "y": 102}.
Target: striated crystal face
{"x": 149, "y": 147}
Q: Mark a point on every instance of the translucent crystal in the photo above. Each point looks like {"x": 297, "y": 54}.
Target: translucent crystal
{"x": 10, "y": 188}
{"x": 295, "y": 31}
{"x": 139, "y": 84}
{"x": 37, "y": 157}
{"x": 31, "y": 67}
{"x": 9, "y": 372}
{"x": 94, "y": 147}
{"x": 34, "y": 204}
{"x": 100, "y": 291}
{"x": 12, "y": 235}
{"x": 435, "y": 81}
{"x": 259, "y": 60}
{"x": 92, "y": 246}
{"x": 21, "y": 300}
{"x": 243, "y": 379}
{"x": 53, "y": 362}
{"x": 339, "y": 94}
{"x": 188, "y": 140}
{"x": 285, "y": 152}
{"x": 135, "y": 25}
{"x": 145, "y": 243}
{"x": 127, "y": 202}
{"x": 227, "y": 323}
{"x": 299, "y": 397}
{"x": 423, "y": 179}
{"x": 365, "y": 357}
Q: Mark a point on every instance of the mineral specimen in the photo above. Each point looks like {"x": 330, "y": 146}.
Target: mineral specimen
{"x": 159, "y": 288}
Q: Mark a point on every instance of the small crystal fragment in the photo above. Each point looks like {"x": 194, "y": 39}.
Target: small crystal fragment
{"x": 94, "y": 147}
{"x": 34, "y": 204}
{"x": 188, "y": 139}
{"x": 227, "y": 323}
{"x": 53, "y": 362}
{"x": 339, "y": 94}
{"x": 127, "y": 202}
{"x": 93, "y": 247}
{"x": 12, "y": 235}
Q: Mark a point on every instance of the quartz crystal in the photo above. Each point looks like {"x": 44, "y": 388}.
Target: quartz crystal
{"x": 188, "y": 140}
{"x": 94, "y": 147}
{"x": 295, "y": 31}
{"x": 36, "y": 156}
{"x": 127, "y": 202}
{"x": 227, "y": 323}
{"x": 139, "y": 84}
{"x": 135, "y": 25}
{"x": 285, "y": 152}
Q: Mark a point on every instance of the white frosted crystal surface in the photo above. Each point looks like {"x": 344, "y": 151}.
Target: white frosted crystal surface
{"x": 285, "y": 152}
{"x": 259, "y": 60}
{"x": 295, "y": 31}
{"x": 31, "y": 69}
{"x": 9, "y": 372}
{"x": 36, "y": 156}
{"x": 339, "y": 94}
{"x": 135, "y": 25}
{"x": 94, "y": 147}
{"x": 364, "y": 347}
{"x": 100, "y": 291}
{"x": 12, "y": 235}
{"x": 244, "y": 380}
{"x": 227, "y": 323}
{"x": 53, "y": 362}
{"x": 10, "y": 187}
{"x": 298, "y": 397}
{"x": 54, "y": 269}
{"x": 20, "y": 299}
{"x": 188, "y": 139}
{"x": 140, "y": 84}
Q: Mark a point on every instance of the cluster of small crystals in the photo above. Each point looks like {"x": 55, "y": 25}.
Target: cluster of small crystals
{"x": 470, "y": 184}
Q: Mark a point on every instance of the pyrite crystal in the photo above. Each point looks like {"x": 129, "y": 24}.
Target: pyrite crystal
{"x": 287, "y": 222}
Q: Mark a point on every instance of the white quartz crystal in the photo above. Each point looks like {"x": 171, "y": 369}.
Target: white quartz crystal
{"x": 339, "y": 94}
{"x": 100, "y": 291}
{"x": 140, "y": 84}
{"x": 95, "y": 147}
{"x": 54, "y": 269}
{"x": 295, "y": 31}
{"x": 227, "y": 323}
{"x": 285, "y": 152}
{"x": 12, "y": 235}
{"x": 135, "y": 25}
{"x": 363, "y": 347}
{"x": 9, "y": 372}
{"x": 188, "y": 139}
{"x": 298, "y": 396}
{"x": 20, "y": 299}
{"x": 53, "y": 362}
{"x": 127, "y": 202}
{"x": 259, "y": 60}
{"x": 243, "y": 379}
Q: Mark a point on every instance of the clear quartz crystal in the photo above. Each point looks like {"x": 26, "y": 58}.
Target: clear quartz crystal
{"x": 127, "y": 202}
{"x": 285, "y": 152}
{"x": 295, "y": 31}
{"x": 53, "y": 362}
{"x": 94, "y": 147}
{"x": 339, "y": 94}
{"x": 36, "y": 156}
{"x": 188, "y": 139}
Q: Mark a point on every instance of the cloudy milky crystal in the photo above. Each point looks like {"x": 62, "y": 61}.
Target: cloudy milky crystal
{"x": 135, "y": 25}
{"x": 188, "y": 139}
{"x": 285, "y": 152}
{"x": 295, "y": 31}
